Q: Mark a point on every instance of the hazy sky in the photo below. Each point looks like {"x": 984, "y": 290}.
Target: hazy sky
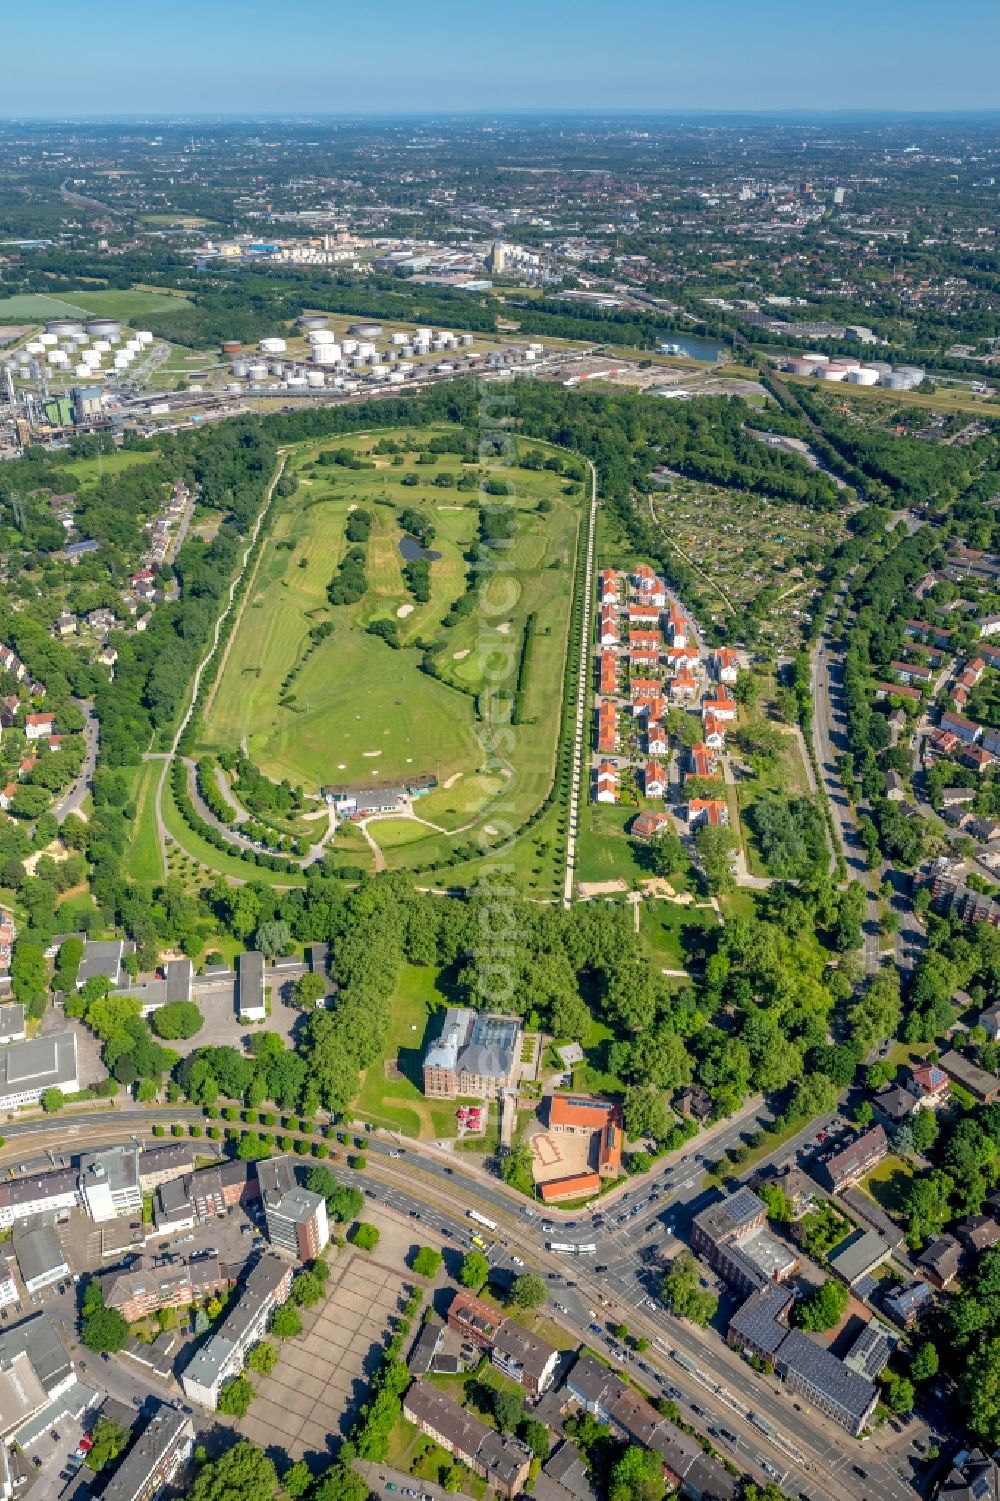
{"x": 65, "y": 57}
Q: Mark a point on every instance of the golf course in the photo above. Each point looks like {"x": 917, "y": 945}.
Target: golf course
{"x": 376, "y": 678}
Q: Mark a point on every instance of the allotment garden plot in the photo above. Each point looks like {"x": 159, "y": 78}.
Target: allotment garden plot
{"x": 749, "y": 551}
{"x": 379, "y": 683}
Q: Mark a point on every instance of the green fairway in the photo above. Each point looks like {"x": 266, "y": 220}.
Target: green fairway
{"x": 348, "y": 707}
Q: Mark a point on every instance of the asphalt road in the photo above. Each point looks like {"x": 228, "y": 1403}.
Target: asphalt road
{"x": 72, "y": 799}
{"x": 813, "y": 1457}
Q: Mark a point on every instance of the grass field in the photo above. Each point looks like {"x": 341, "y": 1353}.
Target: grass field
{"x": 36, "y": 307}
{"x": 671, "y": 934}
{"x": 396, "y": 1100}
{"x": 86, "y": 470}
{"x": 143, "y": 861}
{"x": 353, "y": 709}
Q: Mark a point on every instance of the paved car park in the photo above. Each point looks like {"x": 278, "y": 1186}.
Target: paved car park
{"x": 323, "y": 1373}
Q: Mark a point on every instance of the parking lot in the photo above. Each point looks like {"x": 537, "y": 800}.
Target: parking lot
{"x": 312, "y": 1393}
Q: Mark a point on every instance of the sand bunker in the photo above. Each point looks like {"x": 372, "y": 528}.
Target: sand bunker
{"x": 460, "y": 656}
{"x": 404, "y": 610}
{"x": 371, "y": 753}
{"x": 450, "y": 781}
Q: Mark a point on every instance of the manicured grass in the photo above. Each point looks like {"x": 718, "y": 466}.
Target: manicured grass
{"x": 592, "y": 1076}
{"x": 354, "y": 709}
{"x": 604, "y": 851}
{"x": 669, "y": 932}
{"x": 399, "y": 1103}
{"x": 36, "y": 307}
{"x": 887, "y": 1184}
{"x": 143, "y": 860}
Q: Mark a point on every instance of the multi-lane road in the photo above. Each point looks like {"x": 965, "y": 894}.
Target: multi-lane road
{"x": 715, "y": 1389}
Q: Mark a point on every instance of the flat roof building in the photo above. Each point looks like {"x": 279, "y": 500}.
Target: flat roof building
{"x": 296, "y": 1218}
{"x": 251, "y": 1001}
{"x": 109, "y": 1183}
{"x": 41, "y": 1259}
{"x": 154, "y": 1458}
{"x": 28, "y": 1069}
{"x": 221, "y": 1357}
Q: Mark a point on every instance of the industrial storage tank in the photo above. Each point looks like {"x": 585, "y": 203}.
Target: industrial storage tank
{"x": 79, "y": 338}
{"x": 276, "y": 367}
{"x": 273, "y": 346}
{"x": 49, "y": 341}
{"x": 365, "y": 330}
{"x": 62, "y": 327}
{"x": 104, "y": 328}
{"x": 396, "y": 377}
{"x": 297, "y": 383}
{"x": 397, "y": 338}
{"x": 34, "y": 347}
{"x": 322, "y": 336}
{"x": 240, "y": 368}
{"x": 316, "y": 379}
{"x": 816, "y": 359}
{"x": 58, "y": 357}
{"x": 133, "y": 346}
{"x": 231, "y": 346}
{"x": 466, "y": 339}
{"x": 326, "y": 354}
{"x": 349, "y": 346}
{"x": 144, "y": 336}
{"x": 312, "y": 320}
{"x": 90, "y": 357}
{"x": 101, "y": 346}
{"x": 863, "y": 377}
{"x": 82, "y": 372}
{"x": 257, "y": 371}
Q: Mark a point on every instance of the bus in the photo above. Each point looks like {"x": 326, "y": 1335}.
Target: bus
{"x": 564, "y": 1248}
{"x": 684, "y": 1362}
{"x": 480, "y": 1219}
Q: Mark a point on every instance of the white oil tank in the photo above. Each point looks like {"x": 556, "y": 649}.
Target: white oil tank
{"x": 59, "y": 358}
{"x": 82, "y": 372}
{"x": 326, "y": 354}
{"x": 321, "y": 336}
{"x": 396, "y": 377}
{"x": 349, "y": 346}
{"x": 48, "y": 340}
{"x": 863, "y": 377}
{"x": 397, "y": 338}
{"x": 144, "y": 336}
{"x": 35, "y": 346}
{"x": 101, "y": 346}
{"x": 316, "y": 379}
{"x": 297, "y": 383}
{"x": 273, "y": 346}
{"x": 257, "y": 371}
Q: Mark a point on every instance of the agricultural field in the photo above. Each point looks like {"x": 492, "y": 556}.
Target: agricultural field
{"x": 748, "y": 551}
{"x": 343, "y": 705}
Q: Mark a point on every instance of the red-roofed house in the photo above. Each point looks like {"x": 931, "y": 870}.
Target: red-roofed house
{"x": 708, "y": 810}
{"x": 656, "y": 739}
{"x": 683, "y": 687}
{"x": 607, "y": 729}
{"x": 7, "y": 795}
{"x": 714, "y": 732}
{"x": 723, "y": 707}
{"x": 641, "y": 615}
{"x": 978, "y": 759}
{"x": 912, "y": 672}
{"x": 929, "y": 1086}
{"x": 645, "y": 641}
{"x": 644, "y": 578}
{"x": 648, "y": 825}
{"x": 726, "y": 664}
{"x": 897, "y": 690}
{"x": 681, "y": 658}
{"x": 965, "y": 729}
{"x": 609, "y": 672}
{"x": 702, "y": 761}
{"x": 609, "y": 634}
{"x": 644, "y": 657}
{"x": 609, "y": 587}
{"x": 644, "y": 690}
{"x": 678, "y": 625}
{"x": 606, "y": 790}
{"x": 653, "y": 779}
{"x": 37, "y": 726}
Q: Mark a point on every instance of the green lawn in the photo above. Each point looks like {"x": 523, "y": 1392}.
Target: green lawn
{"x": 398, "y": 1102}
{"x": 669, "y": 933}
{"x": 36, "y": 307}
{"x": 86, "y": 470}
{"x": 143, "y": 860}
{"x": 592, "y": 1076}
{"x": 604, "y": 851}
{"x": 887, "y": 1184}
{"x": 354, "y": 709}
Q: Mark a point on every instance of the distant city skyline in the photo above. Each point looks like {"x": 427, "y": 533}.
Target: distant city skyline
{"x": 255, "y": 58}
